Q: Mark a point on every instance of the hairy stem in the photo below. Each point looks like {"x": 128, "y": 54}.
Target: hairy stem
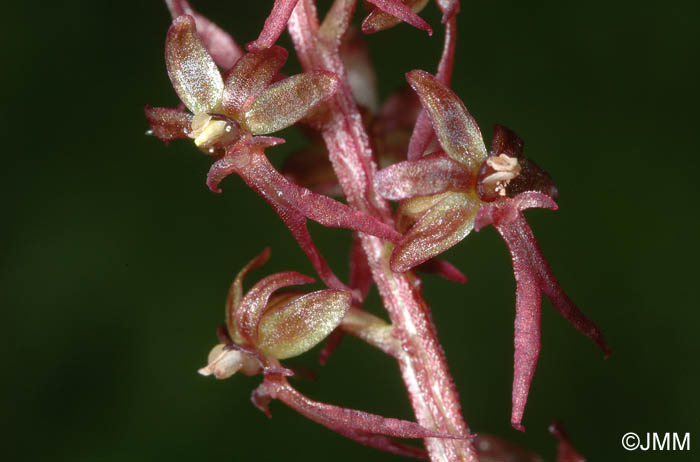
{"x": 421, "y": 359}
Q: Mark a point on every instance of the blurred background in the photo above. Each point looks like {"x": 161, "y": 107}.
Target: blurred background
{"x": 116, "y": 258}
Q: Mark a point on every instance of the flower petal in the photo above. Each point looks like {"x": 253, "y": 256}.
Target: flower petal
{"x": 168, "y": 123}
{"x": 218, "y": 43}
{"x": 275, "y": 24}
{"x": 254, "y": 303}
{"x": 423, "y": 132}
{"x": 192, "y": 70}
{"x": 456, "y": 129}
{"x": 286, "y": 102}
{"x": 249, "y": 77}
{"x": 411, "y": 210}
{"x": 379, "y": 20}
{"x": 399, "y": 10}
{"x": 434, "y": 174}
{"x": 235, "y": 292}
{"x": 297, "y": 326}
{"x": 443, "y": 226}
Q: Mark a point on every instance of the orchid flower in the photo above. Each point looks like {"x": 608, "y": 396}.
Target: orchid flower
{"x": 444, "y": 195}
{"x": 228, "y": 115}
{"x": 389, "y": 129}
{"x": 264, "y": 325}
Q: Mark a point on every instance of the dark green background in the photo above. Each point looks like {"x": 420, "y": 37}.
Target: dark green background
{"x": 116, "y": 258}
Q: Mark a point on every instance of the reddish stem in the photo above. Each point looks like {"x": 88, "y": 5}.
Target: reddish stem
{"x": 422, "y": 362}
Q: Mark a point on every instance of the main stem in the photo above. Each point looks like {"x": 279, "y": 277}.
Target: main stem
{"x": 422, "y": 362}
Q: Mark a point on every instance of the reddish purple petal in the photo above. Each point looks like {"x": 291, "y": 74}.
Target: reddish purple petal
{"x": 379, "y": 20}
{"x": 168, "y": 123}
{"x": 298, "y": 325}
{"x": 250, "y": 77}
{"x": 235, "y": 292}
{"x": 565, "y": 451}
{"x": 253, "y": 304}
{"x": 455, "y": 128}
{"x": 275, "y": 24}
{"x": 218, "y": 43}
{"x": 434, "y": 174}
{"x": 444, "y": 225}
{"x": 397, "y": 9}
{"x": 192, "y": 70}
{"x": 444, "y": 269}
{"x": 423, "y": 132}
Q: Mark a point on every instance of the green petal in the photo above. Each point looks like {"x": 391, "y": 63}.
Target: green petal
{"x": 287, "y": 101}
{"x": 298, "y": 326}
{"x": 192, "y": 70}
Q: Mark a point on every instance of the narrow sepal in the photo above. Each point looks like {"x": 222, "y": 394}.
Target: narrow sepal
{"x": 565, "y": 451}
{"x": 220, "y": 45}
{"x": 274, "y": 25}
{"x": 444, "y": 225}
{"x": 444, "y": 269}
{"x": 379, "y": 20}
{"x": 297, "y": 326}
{"x": 168, "y": 123}
{"x": 455, "y": 128}
{"x": 235, "y": 291}
{"x": 286, "y": 102}
{"x": 423, "y": 132}
{"x": 192, "y": 70}
{"x": 397, "y": 9}
{"x": 253, "y": 304}
{"x": 433, "y": 174}
{"x": 249, "y": 78}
